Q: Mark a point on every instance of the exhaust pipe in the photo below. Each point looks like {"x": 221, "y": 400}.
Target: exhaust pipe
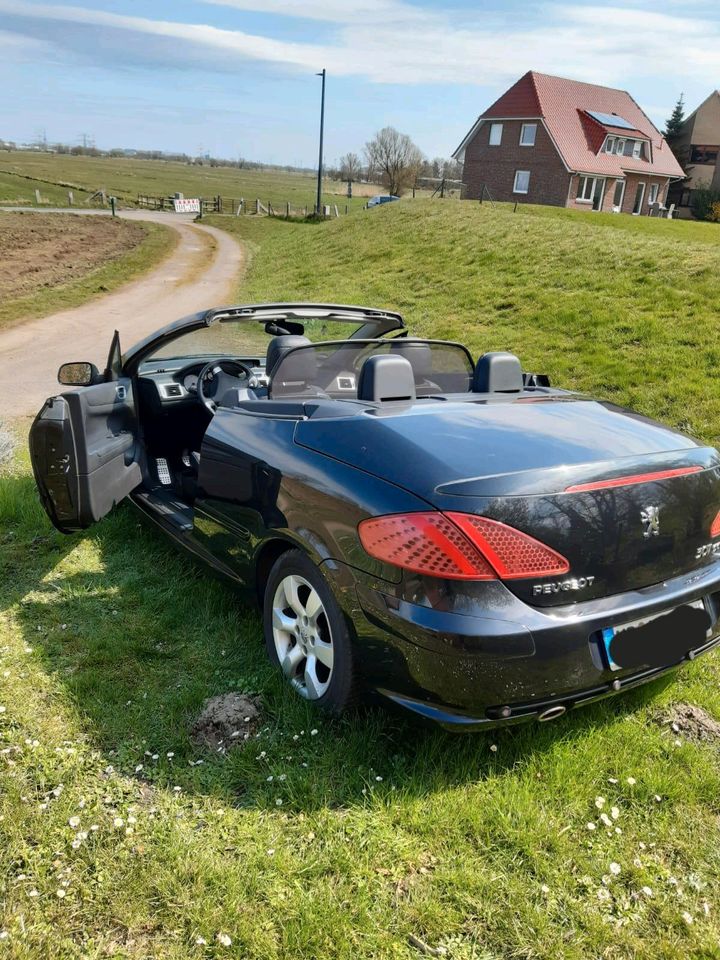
{"x": 552, "y": 713}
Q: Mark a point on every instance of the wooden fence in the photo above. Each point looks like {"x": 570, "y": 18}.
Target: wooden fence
{"x": 239, "y": 206}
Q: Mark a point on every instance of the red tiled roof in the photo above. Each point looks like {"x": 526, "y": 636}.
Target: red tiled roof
{"x": 563, "y": 105}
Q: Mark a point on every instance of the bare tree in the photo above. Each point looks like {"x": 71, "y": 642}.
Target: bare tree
{"x": 395, "y": 158}
{"x": 350, "y": 170}
{"x": 453, "y": 170}
{"x": 350, "y": 167}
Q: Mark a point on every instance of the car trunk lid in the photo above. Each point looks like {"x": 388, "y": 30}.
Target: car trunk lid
{"x": 558, "y": 470}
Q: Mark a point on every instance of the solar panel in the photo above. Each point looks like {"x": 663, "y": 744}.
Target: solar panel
{"x": 611, "y": 120}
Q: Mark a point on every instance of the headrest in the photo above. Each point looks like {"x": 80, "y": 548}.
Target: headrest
{"x": 498, "y": 373}
{"x": 417, "y": 352}
{"x": 279, "y": 346}
{"x": 386, "y": 378}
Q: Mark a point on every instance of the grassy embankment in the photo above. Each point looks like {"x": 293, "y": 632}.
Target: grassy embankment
{"x": 623, "y": 306}
{"x": 51, "y": 262}
{"x": 343, "y": 840}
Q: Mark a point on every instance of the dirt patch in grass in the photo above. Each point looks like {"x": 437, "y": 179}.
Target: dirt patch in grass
{"x": 692, "y": 722}
{"x": 46, "y": 250}
{"x": 226, "y": 721}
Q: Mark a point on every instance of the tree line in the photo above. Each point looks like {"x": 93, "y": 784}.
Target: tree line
{"x": 392, "y": 159}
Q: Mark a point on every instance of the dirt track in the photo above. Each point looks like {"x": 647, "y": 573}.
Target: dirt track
{"x": 187, "y": 281}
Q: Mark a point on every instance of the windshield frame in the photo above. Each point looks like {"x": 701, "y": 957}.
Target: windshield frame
{"x": 380, "y": 322}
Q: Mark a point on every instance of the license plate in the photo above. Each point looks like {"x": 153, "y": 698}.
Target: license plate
{"x": 658, "y": 640}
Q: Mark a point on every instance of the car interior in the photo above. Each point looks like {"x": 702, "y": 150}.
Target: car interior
{"x": 178, "y": 396}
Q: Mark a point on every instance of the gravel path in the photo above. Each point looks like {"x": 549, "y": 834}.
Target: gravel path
{"x": 189, "y": 280}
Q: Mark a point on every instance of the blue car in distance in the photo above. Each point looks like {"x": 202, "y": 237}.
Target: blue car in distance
{"x": 382, "y": 198}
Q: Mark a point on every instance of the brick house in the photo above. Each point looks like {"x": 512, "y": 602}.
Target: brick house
{"x": 554, "y": 141}
{"x": 697, "y": 147}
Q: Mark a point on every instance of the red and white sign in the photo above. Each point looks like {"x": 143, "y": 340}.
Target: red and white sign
{"x": 187, "y": 206}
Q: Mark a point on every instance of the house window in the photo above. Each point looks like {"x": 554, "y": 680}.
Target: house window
{"x": 620, "y": 147}
{"x": 706, "y": 154}
{"x": 496, "y": 130}
{"x": 637, "y": 149}
{"x": 522, "y": 181}
{"x": 528, "y": 132}
{"x": 653, "y": 193}
{"x": 591, "y": 190}
{"x": 586, "y": 188}
{"x": 609, "y": 144}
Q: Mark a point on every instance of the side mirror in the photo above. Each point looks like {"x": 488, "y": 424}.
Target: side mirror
{"x": 78, "y": 374}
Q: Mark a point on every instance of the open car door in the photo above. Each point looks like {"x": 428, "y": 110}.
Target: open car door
{"x": 84, "y": 446}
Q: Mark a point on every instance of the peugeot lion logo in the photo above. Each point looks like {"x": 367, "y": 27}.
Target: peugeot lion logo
{"x": 650, "y": 517}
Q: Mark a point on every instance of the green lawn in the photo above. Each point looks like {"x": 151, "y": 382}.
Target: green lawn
{"x": 20, "y": 191}
{"x": 345, "y": 839}
{"x": 128, "y": 177}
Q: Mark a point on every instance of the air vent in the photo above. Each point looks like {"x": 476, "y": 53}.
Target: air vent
{"x": 172, "y": 390}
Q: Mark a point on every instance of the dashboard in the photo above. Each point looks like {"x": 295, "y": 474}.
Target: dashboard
{"x": 173, "y": 382}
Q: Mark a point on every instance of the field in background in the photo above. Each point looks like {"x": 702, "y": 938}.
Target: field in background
{"x": 124, "y": 178}
{"x": 345, "y": 840}
{"x": 50, "y": 262}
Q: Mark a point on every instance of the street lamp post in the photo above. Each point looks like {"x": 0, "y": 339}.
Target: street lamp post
{"x": 318, "y": 204}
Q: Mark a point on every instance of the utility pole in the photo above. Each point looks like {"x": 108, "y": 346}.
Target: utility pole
{"x": 318, "y": 205}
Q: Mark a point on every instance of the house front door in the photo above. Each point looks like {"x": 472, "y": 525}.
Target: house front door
{"x": 619, "y": 195}
{"x": 598, "y": 194}
{"x": 639, "y": 196}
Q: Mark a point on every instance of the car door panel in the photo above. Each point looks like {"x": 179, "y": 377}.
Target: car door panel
{"x": 85, "y": 454}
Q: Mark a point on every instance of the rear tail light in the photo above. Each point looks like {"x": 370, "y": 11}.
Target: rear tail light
{"x": 514, "y": 555}
{"x": 458, "y": 546}
{"x": 715, "y": 528}
{"x": 426, "y": 543}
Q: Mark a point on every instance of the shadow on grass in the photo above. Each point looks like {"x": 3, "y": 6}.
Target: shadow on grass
{"x": 140, "y": 636}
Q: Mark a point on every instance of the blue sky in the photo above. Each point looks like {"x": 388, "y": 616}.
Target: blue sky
{"x": 236, "y": 77}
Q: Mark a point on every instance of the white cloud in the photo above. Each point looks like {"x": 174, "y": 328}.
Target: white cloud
{"x": 391, "y": 41}
{"x": 331, "y": 11}
{"x": 16, "y": 44}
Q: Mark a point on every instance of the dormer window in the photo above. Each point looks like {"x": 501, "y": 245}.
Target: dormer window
{"x": 610, "y": 145}
{"x": 637, "y": 149}
{"x": 620, "y": 147}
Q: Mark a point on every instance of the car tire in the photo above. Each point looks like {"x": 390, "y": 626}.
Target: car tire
{"x": 306, "y": 634}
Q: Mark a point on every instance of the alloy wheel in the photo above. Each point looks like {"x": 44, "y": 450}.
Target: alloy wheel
{"x": 302, "y": 636}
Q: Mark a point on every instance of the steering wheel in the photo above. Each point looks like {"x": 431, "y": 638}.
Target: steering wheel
{"x": 216, "y": 378}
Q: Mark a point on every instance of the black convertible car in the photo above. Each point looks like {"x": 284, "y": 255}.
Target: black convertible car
{"x": 459, "y": 536}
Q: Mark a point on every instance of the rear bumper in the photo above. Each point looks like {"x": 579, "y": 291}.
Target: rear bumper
{"x": 480, "y": 657}
{"x": 546, "y": 710}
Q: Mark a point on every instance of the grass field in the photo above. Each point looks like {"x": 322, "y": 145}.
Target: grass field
{"x": 54, "y": 174}
{"x": 347, "y": 839}
{"x": 50, "y": 262}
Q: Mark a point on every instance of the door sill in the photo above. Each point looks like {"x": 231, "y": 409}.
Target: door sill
{"x": 166, "y": 508}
